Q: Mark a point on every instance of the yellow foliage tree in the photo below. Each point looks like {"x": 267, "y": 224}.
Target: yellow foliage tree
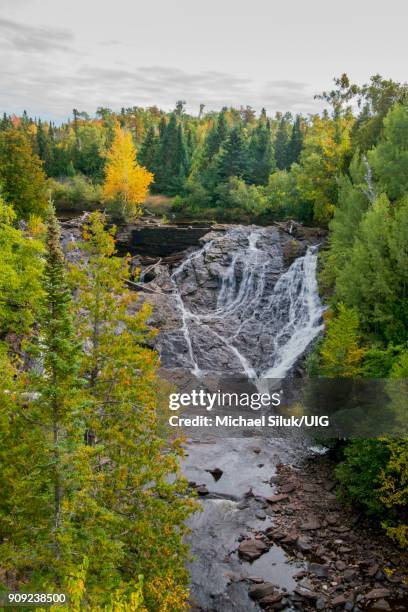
{"x": 341, "y": 352}
{"x": 126, "y": 182}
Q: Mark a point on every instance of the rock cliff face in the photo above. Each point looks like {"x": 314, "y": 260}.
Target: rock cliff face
{"x": 246, "y": 302}
{"x": 243, "y": 301}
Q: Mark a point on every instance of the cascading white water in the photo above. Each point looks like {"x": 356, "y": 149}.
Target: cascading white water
{"x": 263, "y": 317}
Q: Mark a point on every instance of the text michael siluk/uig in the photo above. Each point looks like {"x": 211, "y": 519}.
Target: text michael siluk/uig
{"x": 255, "y": 401}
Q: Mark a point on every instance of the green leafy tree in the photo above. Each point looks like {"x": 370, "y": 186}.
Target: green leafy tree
{"x": 341, "y": 353}
{"x": 21, "y": 175}
{"x": 20, "y": 275}
{"x": 45, "y": 465}
{"x": 134, "y": 460}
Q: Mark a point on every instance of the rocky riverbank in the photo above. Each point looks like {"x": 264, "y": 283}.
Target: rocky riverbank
{"x": 349, "y": 565}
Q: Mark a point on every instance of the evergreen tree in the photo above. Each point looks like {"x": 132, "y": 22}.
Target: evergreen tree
{"x": 281, "y": 144}
{"x": 295, "y": 143}
{"x": 43, "y": 146}
{"x": 353, "y": 202}
{"x": 232, "y": 159}
{"x": 369, "y": 282}
{"x": 149, "y": 150}
{"x": 172, "y": 159}
{"x": 261, "y": 159}
{"x": 216, "y": 136}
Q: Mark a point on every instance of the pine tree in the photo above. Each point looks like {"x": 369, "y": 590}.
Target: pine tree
{"x": 148, "y": 152}
{"x": 171, "y": 159}
{"x": 295, "y": 143}
{"x": 232, "y": 159}
{"x": 261, "y": 157}
{"x": 216, "y": 137}
{"x": 281, "y": 145}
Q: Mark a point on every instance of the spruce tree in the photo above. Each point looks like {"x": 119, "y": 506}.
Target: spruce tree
{"x": 171, "y": 167}
{"x": 216, "y": 137}
{"x": 233, "y": 157}
{"x": 295, "y": 143}
{"x": 261, "y": 159}
{"x": 147, "y": 155}
{"x": 281, "y": 144}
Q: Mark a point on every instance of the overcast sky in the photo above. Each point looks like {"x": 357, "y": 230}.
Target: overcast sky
{"x": 57, "y": 54}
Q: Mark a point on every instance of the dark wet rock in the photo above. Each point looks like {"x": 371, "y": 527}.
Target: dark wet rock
{"x": 306, "y": 593}
{"x": 381, "y": 604}
{"x": 260, "y": 514}
{"x": 332, "y": 519}
{"x": 339, "y": 600}
{"x": 311, "y": 524}
{"x": 319, "y": 570}
{"x": 372, "y": 570}
{"x": 202, "y": 490}
{"x": 279, "y": 497}
{"x": 340, "y": 565}
{"x": 256, "y": 579}
{"x": 272, "y": 602}
{"x": 304, "y": 544}
{"x": 320, "y": 604}
{"x": 242, "y": 505}
{"x": 251, "y": 549}
{"x": 262, "y": 590}
{"x": 216, "y": 473}
{"x": 287, "y": 488}
{"x": 350, "y": 574}
{"x": 290, "y": 538}
{"x": 377, "y": 594}
{"x": 309, "y": 488}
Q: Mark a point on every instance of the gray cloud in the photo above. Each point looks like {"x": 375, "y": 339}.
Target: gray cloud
{"x": 87, "y": 87}
{"x": 26, "y": 38}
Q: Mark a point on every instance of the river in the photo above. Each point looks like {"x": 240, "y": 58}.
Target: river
{"x": 239, "y": 307}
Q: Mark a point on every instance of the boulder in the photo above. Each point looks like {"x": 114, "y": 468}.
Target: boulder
{"x": 251, "y": 549}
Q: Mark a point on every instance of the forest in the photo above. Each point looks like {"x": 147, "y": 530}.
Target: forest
{"x": 88, "y": 506}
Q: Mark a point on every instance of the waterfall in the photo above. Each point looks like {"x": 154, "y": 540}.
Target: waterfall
{"x": 260, "y": 318}
{"x": 370, "y": 191}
